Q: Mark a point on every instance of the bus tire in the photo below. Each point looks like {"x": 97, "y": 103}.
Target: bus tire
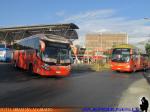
{"x": 30, "y": 70}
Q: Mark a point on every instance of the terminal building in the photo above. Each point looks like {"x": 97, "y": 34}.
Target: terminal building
{"x": 98, "y": 43}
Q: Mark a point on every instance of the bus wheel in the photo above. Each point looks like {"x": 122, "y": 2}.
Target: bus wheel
{"x": 30, "y": 70}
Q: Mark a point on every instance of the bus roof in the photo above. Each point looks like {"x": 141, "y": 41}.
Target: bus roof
{"x": 125, "y": 46}
{"x": 34, "y": 41}
{"x": 46, "y": 37}
{"x": 131, "y": 47}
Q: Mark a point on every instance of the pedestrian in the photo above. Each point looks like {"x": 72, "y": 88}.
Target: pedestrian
{"x": 144, "y": 105}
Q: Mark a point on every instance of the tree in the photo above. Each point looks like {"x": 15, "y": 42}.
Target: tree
{"x": 147, "y": 48}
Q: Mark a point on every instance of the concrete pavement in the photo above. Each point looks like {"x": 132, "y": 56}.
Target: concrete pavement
{"x": 87, "y": 89}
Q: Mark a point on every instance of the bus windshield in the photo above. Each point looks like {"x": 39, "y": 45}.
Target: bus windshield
{"x": 55, "y": 55}
{"x": 121, "y": 55}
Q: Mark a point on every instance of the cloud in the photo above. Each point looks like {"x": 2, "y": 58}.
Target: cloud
{"x": 60, "y": 13}
{"x": 90, "y": 15}
{"x": 107, "y": 20}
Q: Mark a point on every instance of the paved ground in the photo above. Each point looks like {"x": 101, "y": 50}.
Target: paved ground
{"x": 94, "y": 89}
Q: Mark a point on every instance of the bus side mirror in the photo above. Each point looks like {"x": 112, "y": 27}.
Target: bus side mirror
{"x": 42, "y": 46}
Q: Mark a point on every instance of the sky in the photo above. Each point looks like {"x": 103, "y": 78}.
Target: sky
{"x": 92, "y": 16}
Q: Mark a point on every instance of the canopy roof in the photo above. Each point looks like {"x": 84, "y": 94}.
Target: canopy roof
{"x": 40, "y": 27}
{"x": 19, "y": 32}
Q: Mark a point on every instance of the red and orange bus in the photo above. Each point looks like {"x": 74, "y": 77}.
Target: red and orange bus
{"x": 43, "y": 54}
{"x": 128, "y": 58}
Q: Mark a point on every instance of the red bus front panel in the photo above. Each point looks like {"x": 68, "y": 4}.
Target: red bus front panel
{"x": 121, "y": 66}
{"x": 47, "y": 70}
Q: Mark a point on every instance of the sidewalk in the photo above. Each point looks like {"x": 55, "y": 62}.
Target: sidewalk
{"x": 132, "y": 96}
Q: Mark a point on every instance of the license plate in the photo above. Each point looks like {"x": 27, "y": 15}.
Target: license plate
{"x": 58, "y": 72}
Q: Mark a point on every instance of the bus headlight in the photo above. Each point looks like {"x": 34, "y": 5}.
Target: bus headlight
{"x": 128, "y": 66}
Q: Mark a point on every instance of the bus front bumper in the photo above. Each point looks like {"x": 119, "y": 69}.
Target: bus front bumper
{"x": 121, "y": 67}
{"x": 55, "y": 71}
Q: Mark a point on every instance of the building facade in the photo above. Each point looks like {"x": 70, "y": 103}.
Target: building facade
{"x": 97, "y": 44}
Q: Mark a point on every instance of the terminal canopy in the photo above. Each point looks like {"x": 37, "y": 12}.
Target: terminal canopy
{"x": 10, "y": 34}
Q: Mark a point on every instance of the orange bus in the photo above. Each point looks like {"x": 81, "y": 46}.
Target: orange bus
{"x": 43, "y": 54}
{"x": 128, "y": 58}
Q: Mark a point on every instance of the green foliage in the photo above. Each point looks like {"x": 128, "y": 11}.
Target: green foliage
{"x": 147, "y": 48}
